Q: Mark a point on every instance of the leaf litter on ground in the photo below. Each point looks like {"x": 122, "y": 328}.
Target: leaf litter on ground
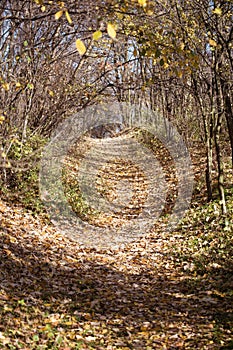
{"x": 167, "y": 290}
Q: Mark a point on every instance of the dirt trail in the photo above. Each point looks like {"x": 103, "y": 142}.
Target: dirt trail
{"x": 140, "y": 296}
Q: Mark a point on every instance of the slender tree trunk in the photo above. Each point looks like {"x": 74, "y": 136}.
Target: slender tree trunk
{"x": 220, "y": 170}
{"x": 209, "y": 163}
{"x": 208, "y": 134}
{"x": 226, "y": 92}
{"x": 217, "y": 131}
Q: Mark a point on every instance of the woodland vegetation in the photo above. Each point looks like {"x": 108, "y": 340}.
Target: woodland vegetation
{"x": 167, "y": 290}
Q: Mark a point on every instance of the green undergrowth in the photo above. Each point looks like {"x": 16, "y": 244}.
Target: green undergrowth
{"x": 19, "y": 183}
{"x": 203, "y": 248}
{"x": 204, "y": 228}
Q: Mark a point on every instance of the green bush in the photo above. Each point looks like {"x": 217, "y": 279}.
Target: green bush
{"x": 19, "y": 181}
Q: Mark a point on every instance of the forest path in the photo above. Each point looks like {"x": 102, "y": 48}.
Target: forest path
{"x": 149, "y": 294}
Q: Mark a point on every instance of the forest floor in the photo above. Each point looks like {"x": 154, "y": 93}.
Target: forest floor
{"x": 163, "y": 291}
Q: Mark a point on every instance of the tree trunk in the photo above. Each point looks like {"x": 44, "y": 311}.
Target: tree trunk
{"x": 228, "y": 114}
{"x": 217, "y": 131}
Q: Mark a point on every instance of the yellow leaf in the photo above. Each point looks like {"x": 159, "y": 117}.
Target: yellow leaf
{"x": 58, "y": 14}
{"x": 80, "y": 47}
{"x": 120, "y": 16}
{"x": 68, "y": 17}
{"x": 111, "y": 31}
{"x": 150, "y": 12}
{"x": 6, "y": 86}
{"x": 142, "y": 2}
{"x": 212, "y": 42}
{"x": 217, "y": 11}
{"x": 13, "y": 239}
{"x": 2, "y": 118}
{"x": 180, "y": 74}
{"x": 43, "y": 8}
{"x": 182, "y": 46}
{"x": 51, "y": 93}
{"x": 97, "y": 35}
{"x": 17, "y": 85}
